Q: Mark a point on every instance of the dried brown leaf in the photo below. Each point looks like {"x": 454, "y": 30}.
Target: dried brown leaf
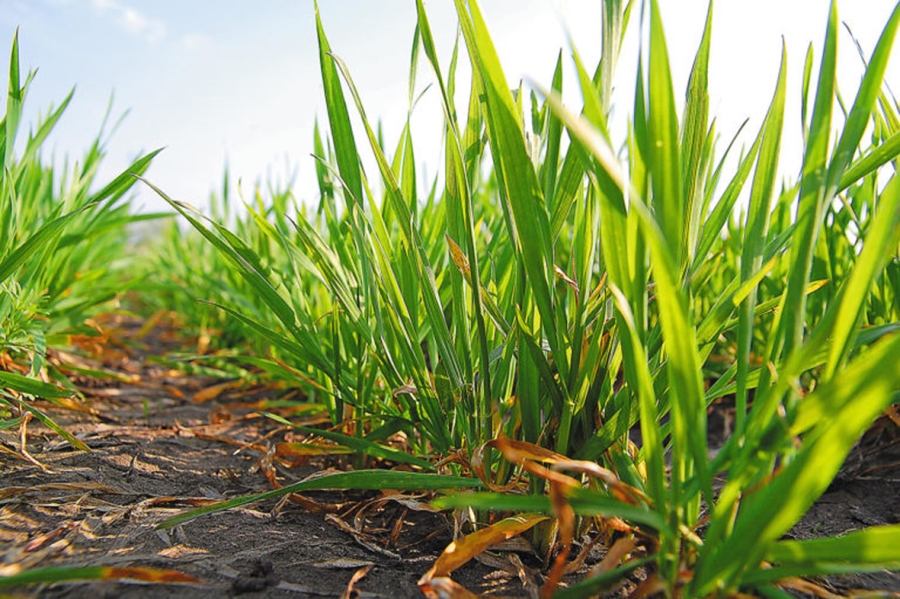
{"x": 445, "y": 588}
{"x": 214, "y": 391}
{"x": 618, "y": 552}
{"x": 463, "y": 550}
{"x": 349, "y": 592}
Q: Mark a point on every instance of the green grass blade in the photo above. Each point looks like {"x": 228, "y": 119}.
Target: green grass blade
{"x": 812, "y": 201}
{"x": 52, "y": 425}
{"x": 374, "y": 480}
{"x": 14, "y": 99}
{"x": 875, "y": 548}
{"x": 664, "y": 155}
{"x": 724, "y": 208}
{"x": 431, "y": 53}
{"x": 881, "y": 240}
{"x": 614, "y": 19}
{"x": 307, "y": 346}
{"x": 849, "y": 404}
{"x": 121, "y": 184}
{"x": 519, "y": 186}
{"x": 37, "y": 139}
{"x": 683, "y": 366}
{"x": 411, "y": 234}
{"x": 868, "y": 164}
{"x": 550, "y": 165}
{"x": 693, "y": 139}
{"x": 23, "y": 384}
{"x": 595, "y": 585}
{"x": 339, "y": 118}
{"x": 51, "y": 575}
{"x": 37, "y": 242}
{"x": 361, "y": 445}
{"x": 635, "y": 360}
{"x": 804, "y": 92}
{"x": 861, "y": 112}
{"x": 242, "y": 258}
{"x": 583, "y": 502}
{"x": 756, "y": 231}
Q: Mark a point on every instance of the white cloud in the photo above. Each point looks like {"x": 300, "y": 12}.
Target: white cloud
{"x": 141, "y": 25}
{"x": 195, "y": 41}
{"x": 103, "y": 5}
{"x": 132, "y": 20}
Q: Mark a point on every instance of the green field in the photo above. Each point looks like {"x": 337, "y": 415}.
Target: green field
{"x": 557, "y": 313}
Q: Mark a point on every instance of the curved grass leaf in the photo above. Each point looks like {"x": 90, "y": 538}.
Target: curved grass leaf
{"x": 52, "y": 425}
{"x": 755, "y": 233}
{"x": 861, "y": 112}
{"x": 412, "y": 238}
{"x": 361, "y": 445}
{"x": 24, "y": 384}
{"x": 848, "y": 405}
{"x": 460, "y": 552}
{"x": 693, "y": 140}
{"x": 307, "y": 347}
{"x": 636, "y": 358}
{"x": 881, "y": 239}
{"x": 584, "y": 502}
{"x": 872, "y": 548}
{"x": 812, "y": 202}
{"x": 374, "y": 480}
{"x": 593, "y": 586}
{"x": 664, "y": 155}
{"x": 36, "y": 140}
{"x": 122, "y": 183}
{"x": 339, "y": 118}
{"x": 724, "y": 208}
{"x": 243, "y": 258}
{"x": 64, "y": 574}
{"x": 460, "y": 223}
{"x": 868, "y": 164}
{"x": 37, "y": 241}
{"x": 519, "y": 186}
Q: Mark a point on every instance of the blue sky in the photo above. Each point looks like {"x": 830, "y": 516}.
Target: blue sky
{"x": 237, "y": 81}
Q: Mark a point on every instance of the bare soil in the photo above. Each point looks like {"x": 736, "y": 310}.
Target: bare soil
{"x": 155, "y": 452}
